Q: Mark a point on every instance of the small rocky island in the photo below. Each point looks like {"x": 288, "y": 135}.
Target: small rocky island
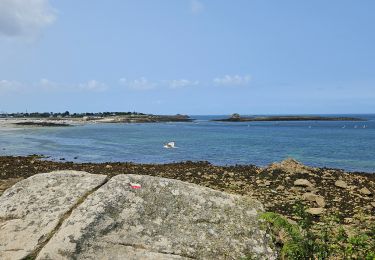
{"x": 237, "y": 118}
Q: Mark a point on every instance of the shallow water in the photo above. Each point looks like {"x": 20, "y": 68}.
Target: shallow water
{"x": 346, "y": 145}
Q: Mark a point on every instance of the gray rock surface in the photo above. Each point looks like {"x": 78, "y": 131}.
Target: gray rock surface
{"x": 163, "y": 219}
{"x": 76, "y": 215}
{"x": 31, "y": 209}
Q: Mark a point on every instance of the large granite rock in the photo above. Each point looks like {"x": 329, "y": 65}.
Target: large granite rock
{"x": 32, "y": 208}
{"x": 144, "y": 217}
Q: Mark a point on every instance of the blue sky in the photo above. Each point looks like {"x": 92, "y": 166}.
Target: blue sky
{"x": 188, "y": 56}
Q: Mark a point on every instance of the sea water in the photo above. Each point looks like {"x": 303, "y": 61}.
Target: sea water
{"x": 337, "y": 144}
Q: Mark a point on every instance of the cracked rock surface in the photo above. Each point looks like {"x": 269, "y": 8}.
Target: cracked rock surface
{"x": 32, "y": 208}
{"x": 141, "y": 217}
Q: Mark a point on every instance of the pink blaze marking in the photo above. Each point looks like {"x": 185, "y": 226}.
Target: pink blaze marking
{"x": 135, "y": 185}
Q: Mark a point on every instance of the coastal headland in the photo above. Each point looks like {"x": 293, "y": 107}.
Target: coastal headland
{"x": 237, "y": 118}
{"x": 68, "y": 119}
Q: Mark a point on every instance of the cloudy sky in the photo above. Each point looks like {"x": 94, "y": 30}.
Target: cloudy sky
{"x": 188, "y": 56}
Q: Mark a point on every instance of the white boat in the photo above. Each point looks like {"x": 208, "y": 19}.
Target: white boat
{"x": 170, "y": 145}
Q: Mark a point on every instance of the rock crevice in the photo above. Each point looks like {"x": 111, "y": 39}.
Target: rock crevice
{"x": 34, "y": 254}
{"x": 31, "y": 210}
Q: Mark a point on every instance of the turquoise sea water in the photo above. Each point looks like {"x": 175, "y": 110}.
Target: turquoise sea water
{"x": 346, "y": 145}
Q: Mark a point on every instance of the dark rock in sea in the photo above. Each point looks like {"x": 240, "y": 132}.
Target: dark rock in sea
{"x": 47, "y": 124}
{"x": 238, "y": 118}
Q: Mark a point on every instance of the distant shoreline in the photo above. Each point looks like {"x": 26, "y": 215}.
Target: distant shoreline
{"x": 58, "y": 120}
{"x": 64, "y": 121}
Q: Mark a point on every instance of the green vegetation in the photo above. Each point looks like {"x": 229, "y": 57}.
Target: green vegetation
{"x": 327, "y": 239}
{"x": 66, "y": 114}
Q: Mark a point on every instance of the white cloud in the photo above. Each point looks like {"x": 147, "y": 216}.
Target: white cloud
{"x": 46, "y": 85}
{"x": 196, "y": 6}
{"x": 25, "y": 17}
{"x": 92, "y": 85}
{"x": 9, "y": 86}
{"x": 138, "y": 84}
{"x": 232, "y": 80}
{"x": 180, "y": 83}
{"x": 123, "y": 81}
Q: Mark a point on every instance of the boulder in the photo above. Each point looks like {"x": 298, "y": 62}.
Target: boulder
{"x": 314, "y": 198}
{"x": 320, "y": 201}
{"x": 365, "y": 191}
{"x": 290, "y": 166}
{"x": 315, "y": 211}
{"x": 309, "y": 196}
{"x": 341, "y": 184}
{"x": 303, "y": 183}
{"x": 144, "y": 217}
{"x": 32, "y": 208}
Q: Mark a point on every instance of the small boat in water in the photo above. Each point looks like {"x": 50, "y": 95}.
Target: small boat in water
{"x": 170, "y": 145}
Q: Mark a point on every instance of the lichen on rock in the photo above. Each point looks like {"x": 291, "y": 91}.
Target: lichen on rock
{"x": 160, "y": 219}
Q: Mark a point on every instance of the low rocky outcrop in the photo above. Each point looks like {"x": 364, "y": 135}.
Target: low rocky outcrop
{"x": 71, "y": 215}
{"x": 290, "y": 166}
{"x": 40, "y": 123}
{"x": 237, "y": 118}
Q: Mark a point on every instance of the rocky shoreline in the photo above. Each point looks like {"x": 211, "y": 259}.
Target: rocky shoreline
{"x": 324, "y": 193}
{"x": 278, "y": 186}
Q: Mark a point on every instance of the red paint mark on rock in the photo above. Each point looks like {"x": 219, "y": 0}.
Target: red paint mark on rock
{"x": 135, "y": 185}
